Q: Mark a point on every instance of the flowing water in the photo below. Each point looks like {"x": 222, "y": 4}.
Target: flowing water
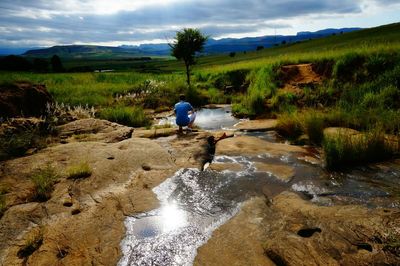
{"x": 194, "y": 203}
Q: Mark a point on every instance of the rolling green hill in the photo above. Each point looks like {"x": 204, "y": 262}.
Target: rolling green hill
{"x": 385, "y": 37}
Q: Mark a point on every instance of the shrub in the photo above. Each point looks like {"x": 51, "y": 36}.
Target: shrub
{"x": 44, "y": 180}
{"x": 345, "y": 69}
{"x": 239, "y": 110}
{"x": 234, "y": 78}
{"x": 129, "y": 116}
{"x": 283, "y": 101}
{"x": 390, "y": 97}
{"x": 346, "y": 150}
{"x": 196, "y": 97}
{"x": 81, "y": 170}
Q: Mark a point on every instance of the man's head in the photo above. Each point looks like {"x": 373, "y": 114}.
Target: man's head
{"x": 182, "y": 97}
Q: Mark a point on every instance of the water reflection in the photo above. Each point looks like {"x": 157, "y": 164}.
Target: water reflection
{"x": 172, "y": 217}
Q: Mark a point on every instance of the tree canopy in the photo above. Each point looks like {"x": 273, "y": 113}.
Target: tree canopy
{"x": 186, "y": 44}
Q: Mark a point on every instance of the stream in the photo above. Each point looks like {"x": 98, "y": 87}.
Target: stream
{"x": 194, "y": 203}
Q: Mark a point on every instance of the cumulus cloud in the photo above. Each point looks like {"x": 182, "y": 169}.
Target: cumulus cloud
{"x": 42, "y": 22}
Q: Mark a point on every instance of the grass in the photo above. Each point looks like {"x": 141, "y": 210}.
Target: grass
{"x": 16, "y": 140}
{"x": 81, "y": 170}
{"x": 392, "y": 243}
{"x": 362, "y": 88}
{"x": 129, "y": 116}
{"x": 289, "y": 125}
{"x": 44, "y": 180}
{"x": 314, "y": 127}
{"x": 346, "y": 150}
{"x": 32, "y": 244}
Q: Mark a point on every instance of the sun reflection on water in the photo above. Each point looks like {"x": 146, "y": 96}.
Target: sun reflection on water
{"x": 172, "y": 217}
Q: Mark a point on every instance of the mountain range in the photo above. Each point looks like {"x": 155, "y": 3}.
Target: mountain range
{"x": 212, "y": 46}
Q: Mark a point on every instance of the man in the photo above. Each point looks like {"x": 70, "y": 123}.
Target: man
{"x": 185, "y": 114}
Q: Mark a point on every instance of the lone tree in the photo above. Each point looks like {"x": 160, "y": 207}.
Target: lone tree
{"x": 187, "y": 42}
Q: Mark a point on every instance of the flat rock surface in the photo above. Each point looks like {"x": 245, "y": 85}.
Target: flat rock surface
{"x": 247, "y": 145}
{"x": 92, "y": 129}
{"x": 283, "y": 172}
{"x": 239, "y": 241}
{"x": 291, "y": 231}
{"x": 155, "y": 132}
{"x": 257, "y": 125}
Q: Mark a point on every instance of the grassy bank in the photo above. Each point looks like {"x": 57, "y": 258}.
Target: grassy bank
{"x": 360, "y": 88}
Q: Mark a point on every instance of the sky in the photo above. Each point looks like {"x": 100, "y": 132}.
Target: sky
{"x": 44, "y": 23}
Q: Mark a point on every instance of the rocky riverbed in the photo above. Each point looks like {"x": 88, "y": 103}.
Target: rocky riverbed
{"x": 267, "y": 202}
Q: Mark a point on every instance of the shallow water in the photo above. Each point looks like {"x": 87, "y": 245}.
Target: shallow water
{"x": 194, "y": 203}
{"x": 209, "y": 119}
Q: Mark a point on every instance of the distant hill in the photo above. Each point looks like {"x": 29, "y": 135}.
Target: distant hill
{"x": 80, "y": 51}
{"x": 212, "y": 46}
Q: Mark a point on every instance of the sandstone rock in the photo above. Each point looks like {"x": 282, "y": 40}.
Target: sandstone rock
{"x": 292, "y": 231}
{"x": 340, "y": 131}
{"x": 188, "y": 150}
{"x": 301, "y": 233}
{"x": 85, "y": 217}
{"x": 309, "y": 159}
{"x": 246, "y": 145}
{"x": 95, "y": 130}
{"x": 257, "y": 125}
{"x": 239, "y": 241}
{"x": 154, "y": 133}
{"x": 23, "y": 99}
{"x": 284, "y": 172}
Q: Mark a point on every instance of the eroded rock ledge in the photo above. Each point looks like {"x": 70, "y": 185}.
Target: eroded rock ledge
{"x": 291, "y": 231}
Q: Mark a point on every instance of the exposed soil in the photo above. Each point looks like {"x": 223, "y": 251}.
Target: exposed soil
{"x": 296, "y": 77}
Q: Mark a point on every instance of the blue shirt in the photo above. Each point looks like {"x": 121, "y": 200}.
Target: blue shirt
{"x": 181, "y": 110}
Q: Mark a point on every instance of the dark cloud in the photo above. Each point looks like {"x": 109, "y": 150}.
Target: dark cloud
{"x": 36, "y": 22}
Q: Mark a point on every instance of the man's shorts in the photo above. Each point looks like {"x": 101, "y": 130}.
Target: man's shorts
{"x": 192, "y": 117}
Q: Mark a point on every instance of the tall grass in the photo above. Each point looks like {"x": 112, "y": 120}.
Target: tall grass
{"x": 314, "y": 124}
{"x": 261, "y": 86}
{"x": 290, "y": 125}
{"x": 44, "y": 180}
{"x": 346, "y": 150}
{"x": 129, "y": 116}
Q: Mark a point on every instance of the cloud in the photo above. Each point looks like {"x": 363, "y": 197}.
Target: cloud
{"x": 38, "y": 22}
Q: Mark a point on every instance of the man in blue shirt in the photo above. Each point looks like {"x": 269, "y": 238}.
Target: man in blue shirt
{"x": 185, "y": 114}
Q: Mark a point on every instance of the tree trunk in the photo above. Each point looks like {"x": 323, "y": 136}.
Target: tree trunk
{"x": 187, "y": 73}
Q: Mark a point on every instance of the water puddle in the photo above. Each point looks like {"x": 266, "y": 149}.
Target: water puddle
{"x": 194, "y": 203}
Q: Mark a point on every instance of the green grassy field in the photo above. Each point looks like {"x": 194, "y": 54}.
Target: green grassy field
{"x": 361, "y": 88}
